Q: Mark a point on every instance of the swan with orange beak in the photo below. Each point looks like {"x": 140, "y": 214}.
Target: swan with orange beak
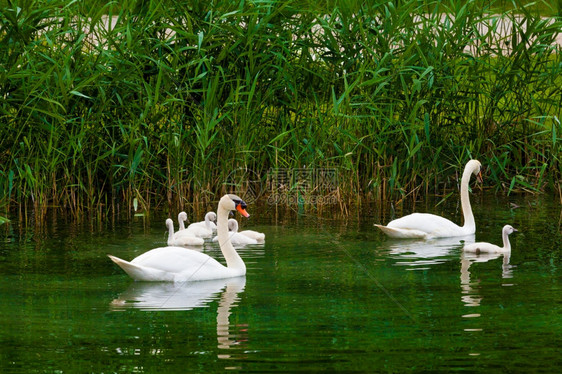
{"x": 178, "y": 264}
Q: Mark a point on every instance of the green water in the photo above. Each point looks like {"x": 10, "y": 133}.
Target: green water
{"x": 323, "y": 294}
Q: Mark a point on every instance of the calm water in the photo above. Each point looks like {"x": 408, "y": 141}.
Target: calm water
{"x": 322, "y": 294}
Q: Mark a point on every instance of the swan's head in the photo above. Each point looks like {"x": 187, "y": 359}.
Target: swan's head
{"x": 182, "y": 217}
{"x": 475, "y": 167}
{"x": 233, "y": 225}
{"x": 169, "y": 223}
{"x": 211, "y": 216}
{"x": 509, "y": 229}
{"x": 233, "y": 202}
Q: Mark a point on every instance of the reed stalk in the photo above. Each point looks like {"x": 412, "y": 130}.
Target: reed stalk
{"x": 102, "y": 102}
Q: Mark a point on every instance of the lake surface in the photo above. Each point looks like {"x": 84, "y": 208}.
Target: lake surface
{"x": 324, "y": 293}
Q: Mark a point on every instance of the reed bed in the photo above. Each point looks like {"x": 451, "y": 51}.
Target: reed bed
{"x": 158, "y": 102}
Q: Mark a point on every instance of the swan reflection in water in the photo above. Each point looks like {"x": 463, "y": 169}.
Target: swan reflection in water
{"x": 167, "y": 296}
{"x": 470, "y": 295}
{"x": 469, "y": 290}
{"x": 419, "y": 254}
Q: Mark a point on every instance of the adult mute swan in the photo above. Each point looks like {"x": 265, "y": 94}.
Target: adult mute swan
{"x": 177, "y": 264}
{"x": 185, "y": 239}
{"x": 236, "y": 237}
{"x": 482, "y": 247}
{"x": 429, "y": 226}
{"x": 204, "y": 229}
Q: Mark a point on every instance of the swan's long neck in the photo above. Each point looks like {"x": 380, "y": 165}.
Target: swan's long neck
{"x": 506, "y": 243}
{"x": 465, "y": 202}
{"x": 170, "y": 233}
{"x": 233, "y": 260}
{"x": 208, "y": 221}
{"x": 180, "y": 222}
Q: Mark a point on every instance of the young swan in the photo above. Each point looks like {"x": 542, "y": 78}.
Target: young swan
{"x": 183, "y": 240}
{"x": 483, "y": 247}
{"x": 182, "y": 217}
{"x": 237, "y": 238}
{"x": 257, "y": 236}
{"x": 203, "y": 229}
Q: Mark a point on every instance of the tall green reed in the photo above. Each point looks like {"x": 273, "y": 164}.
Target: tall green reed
{"x": 162, "y": 103}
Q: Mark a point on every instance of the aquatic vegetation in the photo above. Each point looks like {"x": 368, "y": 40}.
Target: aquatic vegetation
{"x": 159, "y": 101}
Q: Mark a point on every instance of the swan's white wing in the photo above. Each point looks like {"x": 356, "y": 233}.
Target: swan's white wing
{"x": 203, "y": 225}
{"x": 198, "y": 230}
{"x": 238, "y": 238}
{"x": 175, "y": 260}
{"x": 432, "y": 225}
{"x": 185, "y": 237}
{"x": 216, "y": 238}
{"x": 402, "y": 233}
{"x": 196, "y": 224}
{"x": 482, "y": 247}
{"x": 258, "y": 236}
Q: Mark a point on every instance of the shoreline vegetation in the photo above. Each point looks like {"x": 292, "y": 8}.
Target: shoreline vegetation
{"x": 175, "y": 103}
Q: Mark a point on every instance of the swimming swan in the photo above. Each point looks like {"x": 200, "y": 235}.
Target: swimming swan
{"x": 257, "y": 236}
{"x": 236, "y": 237}
{"x": 179, "y": 235}
{"x": 483, "y": 247}
{"x": 177, "y": 264}
{"x": 182, "y": 217}
{"x": 204, "y": 229}
{"x": 429, "y": 226}
{"x": 185, "y": 237}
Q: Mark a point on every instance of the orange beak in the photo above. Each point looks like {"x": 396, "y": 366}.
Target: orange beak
{"x": 479, "y": 177}
{"x": 242, "y": 211}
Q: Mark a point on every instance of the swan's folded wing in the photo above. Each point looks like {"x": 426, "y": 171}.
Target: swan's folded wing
{"x": 432, "y": 225}
{"x": 482, "y": 247}
{"x": 174, "y": 259}
{"x": 241, "y": 239}
{"x": 260, "y": 237}
{"x": 402, "y": 233}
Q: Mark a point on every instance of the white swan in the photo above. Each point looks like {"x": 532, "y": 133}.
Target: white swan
{"x": 177, "y": 264}
{"x": 204, "y": 229}
{"x": 483, "y": 247}
{"x": 184, "y": 239}
{"x": 429, "y": 226}
{"x": 178, "y": 235}
{"x": 236, "y": 237}
{"x": 182, "y": 217}
{"x": 257, "y": 236}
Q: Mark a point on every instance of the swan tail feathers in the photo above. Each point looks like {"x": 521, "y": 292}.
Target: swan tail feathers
{"x": 394, "y": 232}
{"x": 140, "y": 273}
{"x": 131, "y": 269}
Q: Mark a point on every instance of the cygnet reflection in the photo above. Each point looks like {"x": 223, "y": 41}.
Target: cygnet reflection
{"x": 419, "y": 254}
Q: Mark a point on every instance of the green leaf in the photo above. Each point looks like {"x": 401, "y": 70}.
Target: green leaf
{"x": 80, "y": 94}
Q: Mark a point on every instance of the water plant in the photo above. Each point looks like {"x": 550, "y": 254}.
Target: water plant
{"x": 102, "y": 102}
